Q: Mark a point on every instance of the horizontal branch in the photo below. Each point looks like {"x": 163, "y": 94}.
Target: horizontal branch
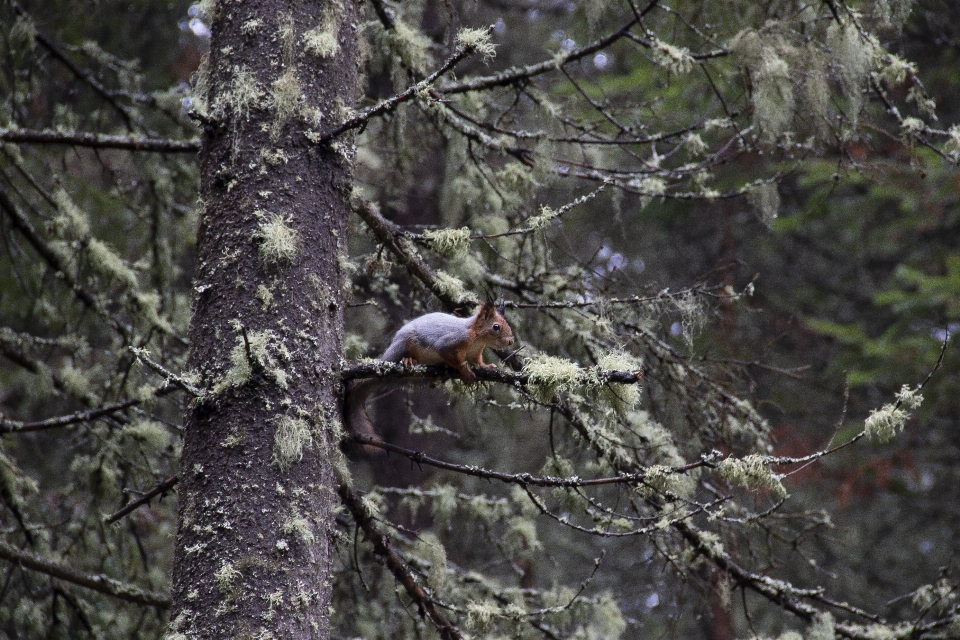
{"x": 522, "y": 479}
{"x": 96, "y": 582}
{"x": 381, "y": 369}
{"x": 99, "y": 141}
{"x": 15, "y": 426}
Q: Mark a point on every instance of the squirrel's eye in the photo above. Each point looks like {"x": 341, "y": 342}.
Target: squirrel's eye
{"x": 496, "y": 327}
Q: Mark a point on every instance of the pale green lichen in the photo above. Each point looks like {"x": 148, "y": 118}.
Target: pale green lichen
{"x": 451, "y": 287}
{"x": 540, "y": 221}
{"x": 477, "y": 40}
{"x": 753, "y": 472}
{"x": 674, "y": 59}
{"x": 287, "y": 95}
{"x": 855, "y": 54}
{"x": 773, "y": 100}
{"x": 410, "y": 47}
{"x": 764, "y": 197}
{"x": 279, "y": 242}
{"x": 265, "y": 296}
{"x": 822, "y": 627}
{"x": 291, "y": 437}
{"x": 450, "y": 243}
{"x": 322, "y": 40}
{"x": 621, "y": 397}
{"x": 259, "y": 347}
{"x": 224, "y": 578}
{"x": 911, "y": 128}
{"x": 548, "y": 376}
{"x": 298, "y": 525}
{"x": 431, "y": 550}
{"x": 897, "y": 70}
{"x": 884, "y": 423}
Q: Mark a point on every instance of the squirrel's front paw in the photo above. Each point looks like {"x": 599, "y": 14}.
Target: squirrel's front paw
{"x": 489, "y": 366}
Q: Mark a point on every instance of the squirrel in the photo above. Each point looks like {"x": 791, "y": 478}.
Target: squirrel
{"x": 434, "y": 338}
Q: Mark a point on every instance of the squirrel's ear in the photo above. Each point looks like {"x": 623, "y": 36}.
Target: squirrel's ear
{"x": 501, "y": 306}
{"x": 486, "y": 310}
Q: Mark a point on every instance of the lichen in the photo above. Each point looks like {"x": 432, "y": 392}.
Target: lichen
{"x": 477, "y": 40}
{"x": 292, "y": 436}
{"x": 450, "y": 243}
{"x": 286, "y": 93}
{"x": 549, "y": 375}
{"x": 753, "y": 472}
{"x": 764, "y": 197}
{"x": 279, "y": 242}
{"x": 621, "y": 397}
{"x": 884, "y": 423}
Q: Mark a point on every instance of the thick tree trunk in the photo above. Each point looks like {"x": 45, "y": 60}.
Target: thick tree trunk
{"x": 254, "y": 544}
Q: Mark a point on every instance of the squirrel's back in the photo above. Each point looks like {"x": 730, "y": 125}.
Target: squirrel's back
{"x": 433, "y": 332}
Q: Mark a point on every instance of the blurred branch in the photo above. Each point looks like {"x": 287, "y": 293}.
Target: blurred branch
{"x": 522, "y": 479}
{"x": 161, "y": 490}
{"x": 84, "y": 75}
{"x": 22, "y": 224}
{"x": 96, "y": 582}
{"x": 388, "y": 105}
{"x": 396, "y": 565}
{"x": 99, "y": 141}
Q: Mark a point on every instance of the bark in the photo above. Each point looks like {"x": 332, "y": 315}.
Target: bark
{"x": 254, "y": 541}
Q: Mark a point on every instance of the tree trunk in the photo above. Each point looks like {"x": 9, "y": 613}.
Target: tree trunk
{"x": 254, "y": 545}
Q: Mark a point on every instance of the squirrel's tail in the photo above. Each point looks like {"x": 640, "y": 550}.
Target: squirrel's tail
{"x": 358, "y": 422}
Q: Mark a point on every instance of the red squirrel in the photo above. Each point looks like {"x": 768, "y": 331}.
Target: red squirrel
{"x": 435, "y": 338}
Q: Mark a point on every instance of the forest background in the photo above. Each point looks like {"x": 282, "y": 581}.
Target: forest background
{"x": 755, "y": 204}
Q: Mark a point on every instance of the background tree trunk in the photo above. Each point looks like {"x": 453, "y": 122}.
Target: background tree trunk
{"x": 253, "y": 546}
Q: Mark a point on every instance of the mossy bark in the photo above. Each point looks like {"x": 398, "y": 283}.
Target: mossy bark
{"x": 254, "y": 545}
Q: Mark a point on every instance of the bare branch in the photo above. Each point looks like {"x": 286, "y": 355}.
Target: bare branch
{"x": 159, "y": 490}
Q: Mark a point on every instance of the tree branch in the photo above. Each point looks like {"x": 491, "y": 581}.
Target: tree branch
{"x": 161, "y": 489}
{"x": 522, "y": 74}
{"x": 522, "y": 479}
{"x": 99, "y": 141}
{"x": 22, "y": 224}
{"x": 96, "y": 582}
{"x": 388, "y": 105}
{"x": 396, "y": 565}
{"x": 382, "y": 369}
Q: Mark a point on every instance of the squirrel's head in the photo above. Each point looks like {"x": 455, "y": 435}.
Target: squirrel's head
{"x": 493, "y": 326}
